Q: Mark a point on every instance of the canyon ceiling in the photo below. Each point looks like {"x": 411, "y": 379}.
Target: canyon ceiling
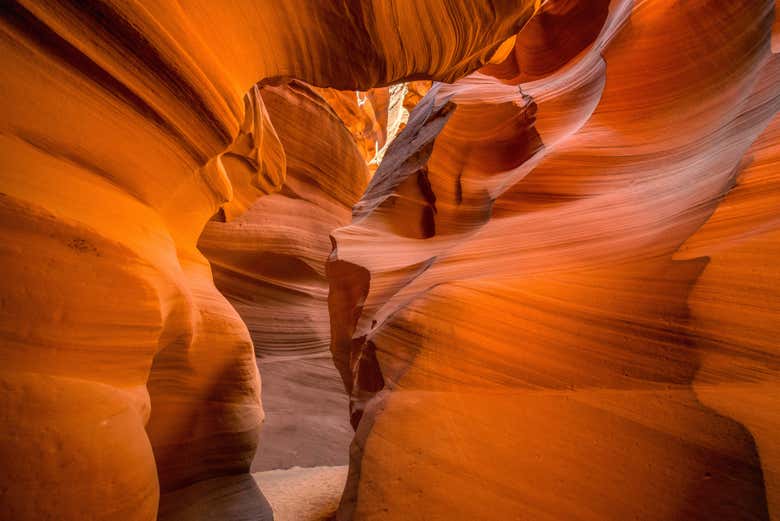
{"x": 539, "y": 240}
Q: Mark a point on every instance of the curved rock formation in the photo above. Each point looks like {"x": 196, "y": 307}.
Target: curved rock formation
{"x": 734, "y": 304}
{"x": 523, "y": 310}
{"x": 270, "y": 264}
{"x": 121, "y": 125}
{"x": 270, "y": 261}
{"x": 375, "y": 117}
{"x": 557, "y": 297}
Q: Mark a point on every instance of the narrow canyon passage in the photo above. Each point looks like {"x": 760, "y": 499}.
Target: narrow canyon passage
{"x": 269, "y": 262}
{"x": 390, "y": 260}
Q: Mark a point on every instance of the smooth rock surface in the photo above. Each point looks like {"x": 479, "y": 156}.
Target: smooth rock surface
{"x": 557, "y": 297}
{"x": 552, "y": 299}
{"x": 306, "y": 415}
{"x": 124, "y": 128}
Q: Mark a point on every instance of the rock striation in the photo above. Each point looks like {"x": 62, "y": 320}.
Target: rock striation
{"x": 558, "y": 297}
{"x": 270, "y": 264}
{"x": 129, "y": 381}
{"x": 548, "y": 280}
{"x": 270, "y": 260}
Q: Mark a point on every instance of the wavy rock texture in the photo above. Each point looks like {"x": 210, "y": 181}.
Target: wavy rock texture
{"x": 365, "y": 114}
{"x": 375, "y": 117}
{"x": 270, "y": 264}
{"x": 270, "y": 261}
{"x": 125, "y": 373}
{"x": 558, "y": 297}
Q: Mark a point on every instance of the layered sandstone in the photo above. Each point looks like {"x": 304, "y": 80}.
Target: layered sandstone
{"x": 558, "y": 297}
{"x": 269, "y": 262}
{"x": 549, "y": 286}
{"x": 124, "y": 130}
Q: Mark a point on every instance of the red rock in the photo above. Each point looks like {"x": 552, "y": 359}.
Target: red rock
{"x": 556, "y": 298}
{"x": 538, "y": 347}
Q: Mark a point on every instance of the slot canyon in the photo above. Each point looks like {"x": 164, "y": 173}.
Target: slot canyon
{"x": 403, "y": 260}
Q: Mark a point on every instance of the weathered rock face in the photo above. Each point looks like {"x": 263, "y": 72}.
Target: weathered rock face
{"x": 375, "y": 117}
{"x": 558, "y": 298}
{"x": 270, "y": 264}
{"x": 270, "y": 260}
{"x": 125, "y": 373}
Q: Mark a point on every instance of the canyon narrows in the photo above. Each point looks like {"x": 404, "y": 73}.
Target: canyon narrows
{"x": 526, "y": 249}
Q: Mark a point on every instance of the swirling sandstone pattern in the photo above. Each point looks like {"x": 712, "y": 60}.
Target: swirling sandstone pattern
{"x": 270, "y": 261}
{"x": 558, "y": 298}
{"x": 270, "y": 264}
{"x": 124, "y": 129}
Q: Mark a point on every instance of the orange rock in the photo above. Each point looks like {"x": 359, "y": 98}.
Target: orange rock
{"x": 124, "y": 129}
{"x": 557, "y": 297}
{"x": 527, "y": 341}
{"x": 270, "y": 261}
{"x": 364, "y": 114}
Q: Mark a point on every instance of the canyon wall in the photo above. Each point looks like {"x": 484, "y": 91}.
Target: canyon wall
{"x": 269, "y": 262}
{"x": 558, "y": 298}
{"x": 129, "y": 382}
{"x": 555, "y": 298}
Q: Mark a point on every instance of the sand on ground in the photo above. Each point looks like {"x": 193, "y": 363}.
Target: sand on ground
{"x": 303, "y": 494}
